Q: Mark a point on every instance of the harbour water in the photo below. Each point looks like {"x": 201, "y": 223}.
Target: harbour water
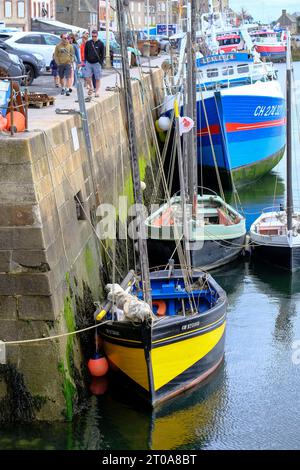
{"x": 251, "y": 401}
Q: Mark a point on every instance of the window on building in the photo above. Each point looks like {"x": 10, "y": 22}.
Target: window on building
{"x": 7, "y": 9}
{"x": 132, "y": 6}
{"x": 163, "y": 7}
{"x": 21, "y": 9}
{"x": 34, "y": 9}
{"x": 139, "y": 7}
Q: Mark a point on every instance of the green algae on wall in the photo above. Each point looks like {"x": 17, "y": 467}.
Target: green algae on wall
{"x": 68, "y": 391}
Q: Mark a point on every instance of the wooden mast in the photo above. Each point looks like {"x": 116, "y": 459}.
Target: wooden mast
{"x": 135, "y": 171}
{"x": 289, "y": 190}
{"x": 192, "y": 106}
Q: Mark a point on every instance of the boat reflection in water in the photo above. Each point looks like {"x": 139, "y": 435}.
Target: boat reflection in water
{"x": 283, "y": 292}
{"x": 254, "y": 198}
{"x": 176, "y": 424}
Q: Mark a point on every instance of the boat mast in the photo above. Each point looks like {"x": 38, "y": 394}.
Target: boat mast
{"x": 192, "y": 106}
{"x": 289, "y": 192}
{"x": 135, "y": 171}
{"x": 214, "y": 45}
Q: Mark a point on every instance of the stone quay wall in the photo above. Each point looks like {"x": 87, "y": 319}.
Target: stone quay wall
{"x": 50, "y": 268}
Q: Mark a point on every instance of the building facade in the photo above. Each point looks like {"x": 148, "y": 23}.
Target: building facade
{"x": 43, "y": 9}
{"x": 137, "y": 13}
{"x": 82, "y": 13}
{"x": 288, "y": 21}
{"x": 16, "y": 14}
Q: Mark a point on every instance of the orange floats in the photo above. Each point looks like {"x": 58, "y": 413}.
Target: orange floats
{"x": 161, "y": 307}
{"x": 3, "y": 123}
{"x": 18, "y": 121}
{"x": 98, "y": 365}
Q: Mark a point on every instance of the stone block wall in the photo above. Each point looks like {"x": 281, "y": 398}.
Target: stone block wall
{"x": 46, "y": 253}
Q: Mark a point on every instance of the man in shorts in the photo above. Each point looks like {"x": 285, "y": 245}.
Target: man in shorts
{"x": 64, "y": 57}
{"x": 94, "y": 56}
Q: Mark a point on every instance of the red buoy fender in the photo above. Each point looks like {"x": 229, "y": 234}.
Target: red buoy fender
{"x": 161, "y": 307}
{"x": 98, "y": 366}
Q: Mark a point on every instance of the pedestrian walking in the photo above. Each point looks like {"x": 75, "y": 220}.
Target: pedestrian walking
{"x": 64, "y": 57}
{"x": 94, "y": 56}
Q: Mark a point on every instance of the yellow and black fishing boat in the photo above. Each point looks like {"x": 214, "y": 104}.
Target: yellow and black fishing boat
{"x": 163, "y": 331}
{"x": 177, "y": 344}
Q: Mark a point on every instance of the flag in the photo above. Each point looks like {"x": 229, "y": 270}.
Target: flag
{"x": 185, "y": 124}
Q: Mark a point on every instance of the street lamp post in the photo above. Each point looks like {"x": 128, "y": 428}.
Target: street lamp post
{"x": 107, "y": 50}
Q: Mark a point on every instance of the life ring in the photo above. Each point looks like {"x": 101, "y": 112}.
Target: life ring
{"x": 161, "y": 307}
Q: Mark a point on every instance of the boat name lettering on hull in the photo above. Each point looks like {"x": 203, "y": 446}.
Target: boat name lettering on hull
{"x": 275, "y": 110}
{"x": 221, "y": 58}
{"x": 190, "y": 326}
{"x": 112, "y": 332}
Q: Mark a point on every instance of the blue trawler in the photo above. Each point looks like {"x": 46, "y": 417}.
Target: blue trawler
{"x": 240, "y": 116}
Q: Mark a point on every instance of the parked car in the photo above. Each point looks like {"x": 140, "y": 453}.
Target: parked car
{"x": 35, "y": 43}
{"x": 34, "y": 63}
{"x": 11, "y": 65}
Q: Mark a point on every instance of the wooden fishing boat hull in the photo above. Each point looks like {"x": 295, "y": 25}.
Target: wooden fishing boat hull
{"x": 173, "y": 355}
{"x": 210, "y": 255}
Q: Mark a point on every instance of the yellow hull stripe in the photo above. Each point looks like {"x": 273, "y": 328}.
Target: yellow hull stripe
{"x": 131, "y": 361}
{"x": 171, "y": 360}
{"x": 190, "y": 331}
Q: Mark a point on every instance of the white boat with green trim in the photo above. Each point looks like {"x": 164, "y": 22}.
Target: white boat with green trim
{"x": 216, "y": 235}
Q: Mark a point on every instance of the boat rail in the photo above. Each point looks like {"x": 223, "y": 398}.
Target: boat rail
{"x": 227, "y": 75}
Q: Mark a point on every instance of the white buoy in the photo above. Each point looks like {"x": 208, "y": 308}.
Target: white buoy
{"x": 164, "y": 123}
{"x": 143, "y": 185}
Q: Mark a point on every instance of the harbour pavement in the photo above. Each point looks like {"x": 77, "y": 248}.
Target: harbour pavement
{"x": 46, "y": 116}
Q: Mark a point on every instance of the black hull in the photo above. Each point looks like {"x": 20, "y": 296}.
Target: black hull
{"x": 283, "y": 257}
{"x": 160, "y": 361}
{"x": 211, "y": 255}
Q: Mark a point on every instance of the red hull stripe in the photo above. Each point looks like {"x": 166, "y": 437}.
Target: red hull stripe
{"x": 236, "y": 126}
{"x": 214, "y": 129}
{"x": 270, "y": 48}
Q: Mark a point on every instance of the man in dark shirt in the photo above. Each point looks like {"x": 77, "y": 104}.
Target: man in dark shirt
{"x": 94, "y": 56}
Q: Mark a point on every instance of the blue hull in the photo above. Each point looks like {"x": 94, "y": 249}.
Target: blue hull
{"x": 248, "y": 134}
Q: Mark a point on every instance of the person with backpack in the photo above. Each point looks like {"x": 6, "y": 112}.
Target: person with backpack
{"x": 94, "y": 57}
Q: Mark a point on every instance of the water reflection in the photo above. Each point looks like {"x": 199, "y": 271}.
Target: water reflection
{"x": 282, "y": 288}
{"x": 176, "y": 424}
{"x": 266, "y": 192}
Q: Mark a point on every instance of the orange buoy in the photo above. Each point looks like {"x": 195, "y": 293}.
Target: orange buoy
{"x": 3, "y": 123}
{"x": 19, "y": 121}
{"x": 99, "y": 385}
{"x": 98, "y": 365}
{"x": 161, "y": 307}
